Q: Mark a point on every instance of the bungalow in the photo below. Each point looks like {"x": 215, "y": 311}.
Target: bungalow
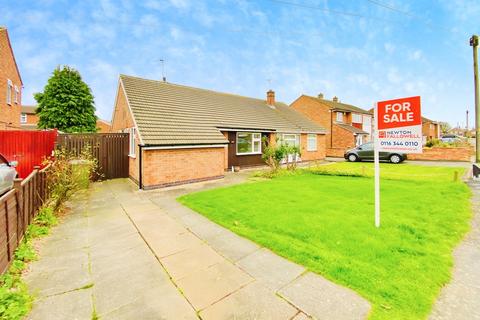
{"x": 10, "y": 85}
{"x": 347, "y": 125}
{"x": 181, "y": 134}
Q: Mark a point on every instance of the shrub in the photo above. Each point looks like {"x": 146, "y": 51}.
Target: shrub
{"x": 274, "y": 154}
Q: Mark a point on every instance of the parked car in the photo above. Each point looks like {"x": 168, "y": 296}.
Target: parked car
{"x": 452, "y": 138}
{"x": 7, "y": 174}
{"x": 364, "y": 152}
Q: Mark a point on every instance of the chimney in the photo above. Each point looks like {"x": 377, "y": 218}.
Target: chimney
{"x": 320, "y": 95}
{"x": 335, "y": 99}
{"x": 271, "y": 97}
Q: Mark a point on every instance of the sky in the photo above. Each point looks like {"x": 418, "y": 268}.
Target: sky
{"x": 361, "y": 51}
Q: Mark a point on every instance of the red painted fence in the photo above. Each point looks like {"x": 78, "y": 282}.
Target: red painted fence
{"x": 29, "y": 148}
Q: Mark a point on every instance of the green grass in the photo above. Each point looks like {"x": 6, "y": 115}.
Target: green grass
{"x": 326, "y": 223}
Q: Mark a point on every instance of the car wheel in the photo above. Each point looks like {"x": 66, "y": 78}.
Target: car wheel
{"x": 352, "y": 158}
{"x": 395, "y": 158}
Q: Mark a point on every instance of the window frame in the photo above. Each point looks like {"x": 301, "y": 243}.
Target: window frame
{"x": 16, "y": 93}
{"x": 255, "y": 137}
{"x": 296, "y": 137}
{"x": 358, "y": 116}
{"x": 311, "y": 137}
{"x": 9, "y": 91}
{"x": 339, "y": 115}
{"x": 132, "y": 152}
{"x": 23, "y": 118}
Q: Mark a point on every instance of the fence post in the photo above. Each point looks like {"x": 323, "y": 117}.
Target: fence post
{"x": 19, "y": 198}
{"x": 36, "y": 194}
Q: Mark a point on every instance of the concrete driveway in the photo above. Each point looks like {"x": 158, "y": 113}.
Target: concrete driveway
{"x": 128, "y": 254}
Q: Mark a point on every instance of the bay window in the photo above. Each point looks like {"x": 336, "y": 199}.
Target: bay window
{"x": 249, "y": 143}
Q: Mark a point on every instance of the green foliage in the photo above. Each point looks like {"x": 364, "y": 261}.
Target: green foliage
{"x": 326, "y": 224}
{"x": 66, "y": 103}
{"x": 69, "y": 173}
{"x": 439, "y": 143}
{"x": 274, "y": 153}
{"x": 445, "y": 127}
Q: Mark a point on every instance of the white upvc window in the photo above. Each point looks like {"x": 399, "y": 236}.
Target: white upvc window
{"x": 311, "y": 142}
{"x": 9, "y": 91}
{"x": 16, "y": 94}
{"x": 339, "y": 116}
{"x": 23, "y": 118}
{"x": 356, "y": 118}
{"x": 249, "y": 143}
{"x": 291, "y": 139}
{"x": 131, "y": 136}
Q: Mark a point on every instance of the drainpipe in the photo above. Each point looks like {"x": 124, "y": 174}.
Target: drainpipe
{"x": 331, "y": 128}
{"x": 140, "y": 182}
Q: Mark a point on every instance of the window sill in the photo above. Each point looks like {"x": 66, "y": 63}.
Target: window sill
{"x": 132, "y": 156}
{"x": 312, "y": 150}
{"x": 248, "y": 154}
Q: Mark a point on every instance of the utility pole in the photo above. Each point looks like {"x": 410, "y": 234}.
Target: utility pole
{"x": 474, "y": 44}
{"x": 467, "y": 133}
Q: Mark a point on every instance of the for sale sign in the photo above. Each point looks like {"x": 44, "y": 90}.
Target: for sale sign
{"x": 399, "y": 124}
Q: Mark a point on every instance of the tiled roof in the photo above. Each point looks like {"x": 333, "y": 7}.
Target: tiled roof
{"x": 170, "y": 114}
{"x": 29, "y": 109}
{"x": 351, "y": 128}
{"x": 340, "y": 106}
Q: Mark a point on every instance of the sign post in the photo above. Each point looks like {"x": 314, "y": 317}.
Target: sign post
{"x": 398, "y": 129}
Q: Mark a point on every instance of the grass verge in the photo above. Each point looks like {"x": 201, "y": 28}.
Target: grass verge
{"x": 325, "y": 222}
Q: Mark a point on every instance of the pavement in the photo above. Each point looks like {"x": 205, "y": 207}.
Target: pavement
{"x": 460, "y": 299}
{"x": 127, "y": 254}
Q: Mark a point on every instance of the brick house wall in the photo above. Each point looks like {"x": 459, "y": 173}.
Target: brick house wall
{"x": 103, "y": 126}
{"x": 123, "y": 119}
{"x": 430, "y": 130}
{"x": 319, "y": 154}
{"x": 162, "y": 168}
{"x": 316, "y": 112}
{"x": 444, "y": 154}
{"x": 9, "y": 113}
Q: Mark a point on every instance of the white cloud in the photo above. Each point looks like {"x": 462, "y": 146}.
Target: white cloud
{"x": 415, "y": 55}
{"x": 389, "y": 47}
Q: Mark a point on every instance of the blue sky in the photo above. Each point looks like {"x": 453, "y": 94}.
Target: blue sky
{"x": 357, "y": 50}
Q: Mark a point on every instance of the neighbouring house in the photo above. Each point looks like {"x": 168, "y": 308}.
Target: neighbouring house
{"x": 10, "y": 85}
{"x": 103, "y": 126}
{"x": 181, "y": 134}
{"x": 28, "y": 118}
{"x": 346, "y": 125}
{"x": 430, "y": 130}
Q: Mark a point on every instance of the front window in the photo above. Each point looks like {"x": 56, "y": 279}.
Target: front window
{"x": 249, "y": 143}
{"x": 23, "y": 118}
{"x": 356, "y": 118}
{"x": 9, "y": 91}
{"x": 339, "y": 116}
{"x": 312, "y": 142}
{"x": 291, "y": 139}
{"x": 131, "y": 151}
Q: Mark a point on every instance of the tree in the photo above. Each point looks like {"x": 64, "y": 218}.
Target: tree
{"x": 444, "y": 127}
{"x": 274, "y": 154}
{"x": 66, "y": 103}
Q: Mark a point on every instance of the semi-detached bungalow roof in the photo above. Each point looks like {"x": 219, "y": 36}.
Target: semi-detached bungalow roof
{"x": 171, "y": 114}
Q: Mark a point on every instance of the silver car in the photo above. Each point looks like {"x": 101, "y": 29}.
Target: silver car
{"x": 7, "y": 174}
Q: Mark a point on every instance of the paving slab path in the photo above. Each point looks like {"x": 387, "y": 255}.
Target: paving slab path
{"x": 460, "y": 299}
{"x": 128, "y": 254}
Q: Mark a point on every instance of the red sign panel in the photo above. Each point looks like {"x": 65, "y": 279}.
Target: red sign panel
{"x": 399, "y": 113}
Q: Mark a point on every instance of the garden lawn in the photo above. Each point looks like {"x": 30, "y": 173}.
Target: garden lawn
{"x": 326, "y": 223}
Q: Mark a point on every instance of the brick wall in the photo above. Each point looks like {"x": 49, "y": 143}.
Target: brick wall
{"x": 335, "y": 152}
{"x": 315, "y": 111}
{"x": 446, "y": 154}
{"x": 176, "y": 166}
{"x": 103, "y": 126}
{"x": 122, "y": 119}
{"x": 342, "y": 138}
{"x": 9, "y": 113}
{"x": 430, "y": 130}
{"x": 313, "y": 155}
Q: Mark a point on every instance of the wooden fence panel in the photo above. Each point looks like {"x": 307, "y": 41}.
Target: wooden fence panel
{"x": 110, "y": 150}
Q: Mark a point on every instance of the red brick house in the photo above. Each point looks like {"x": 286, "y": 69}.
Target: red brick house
{"x": 28, "y": 118}
{"x": 10, "y": 85}
{"x": 347, "y": 125}
{"x": 430, "y": 129}
{"x": 103, "y": 126}
{"x": 180, "y": 134}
